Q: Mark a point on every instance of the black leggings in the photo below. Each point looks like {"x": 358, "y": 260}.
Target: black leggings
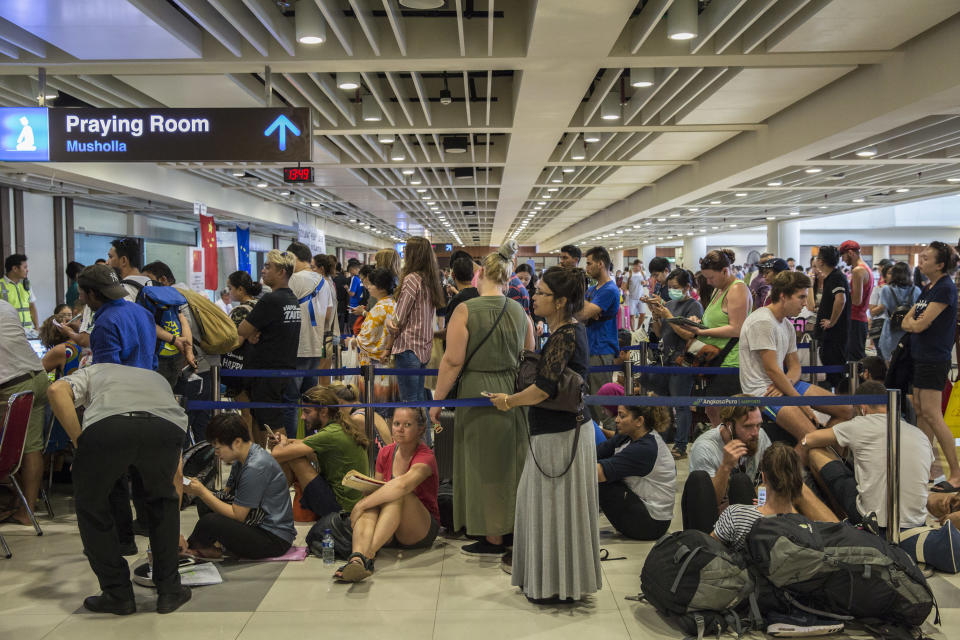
{"x": 628, "y": 514}
{"x": 240, "y": 539}
{"x": 698, "y": 504}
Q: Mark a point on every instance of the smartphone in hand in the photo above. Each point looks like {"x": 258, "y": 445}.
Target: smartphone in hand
{"x": 487, "y": 394}
{"x": 761, "y": 496}
{"x": 186, "y": 481}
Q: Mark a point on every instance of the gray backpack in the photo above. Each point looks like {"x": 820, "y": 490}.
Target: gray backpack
{"x": 700, "y": 584}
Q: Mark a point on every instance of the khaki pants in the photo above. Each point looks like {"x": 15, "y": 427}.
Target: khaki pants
{"x": 38, "y": 384}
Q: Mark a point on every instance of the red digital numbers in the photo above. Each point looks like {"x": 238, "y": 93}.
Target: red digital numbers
{"x": 298, "y": 174}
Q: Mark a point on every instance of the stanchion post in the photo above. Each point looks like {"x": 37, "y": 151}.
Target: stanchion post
{"x": 368, "y": 413}
{"x": 814, "y": 357}
{"x": 215, "y": 382}
{"x": 627, "y": 376}
{"x": 853, "y": 372}
{"x": 336, "y": 358}
{"x": 893, "y": 466}
{"x": 644, "y": 361}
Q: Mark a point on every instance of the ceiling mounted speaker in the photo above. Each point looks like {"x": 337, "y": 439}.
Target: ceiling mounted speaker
{"x": 463, "y": 173}
{"x": 422, "y": 4}
{"x": 455, "y": 144}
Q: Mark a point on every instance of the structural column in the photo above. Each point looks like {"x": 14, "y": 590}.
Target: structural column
{"x": 694, "y": 248}
{"x": 647, "y": 253}
{"x": 783, "y": 239}
{"x": 880, "y": 252}
{"x": 616, "y": 255}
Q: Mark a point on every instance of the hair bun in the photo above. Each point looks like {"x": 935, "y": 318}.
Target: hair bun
{"x": 731, "y": 256}
{"x": 509, "y": 249}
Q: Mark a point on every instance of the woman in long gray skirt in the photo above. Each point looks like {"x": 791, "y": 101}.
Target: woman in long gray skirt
{"x": 556, "y": 547}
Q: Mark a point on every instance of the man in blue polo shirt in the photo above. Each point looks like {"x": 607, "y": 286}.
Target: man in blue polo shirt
{"x": 599, "y": 314}
{"x": 123, "y": 332}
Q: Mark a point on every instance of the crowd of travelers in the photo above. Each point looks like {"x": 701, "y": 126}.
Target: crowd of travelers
{"x": 534, "y": 467}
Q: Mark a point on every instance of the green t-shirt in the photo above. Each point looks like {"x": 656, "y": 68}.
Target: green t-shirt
{"x": 337, "y": 454}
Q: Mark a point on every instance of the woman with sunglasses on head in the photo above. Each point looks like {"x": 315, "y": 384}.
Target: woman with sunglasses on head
{"x": 932, "y": 321}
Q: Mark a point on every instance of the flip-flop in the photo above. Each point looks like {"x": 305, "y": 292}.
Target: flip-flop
{"x": 944, "y": 487}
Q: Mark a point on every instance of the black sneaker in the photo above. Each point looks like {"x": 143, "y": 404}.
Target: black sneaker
{"x": 143, "y": 575}
{"x": 128, "y": 548}
{"x": 170, "y": 602}
{"x": 483, "y": 549}
{"x": 105, "y": 603}
{"x": 799, "y": 625}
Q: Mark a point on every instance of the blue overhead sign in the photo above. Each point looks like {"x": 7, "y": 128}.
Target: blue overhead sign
{"x": 24, "y": 134}
{"x": 155, "y": 135}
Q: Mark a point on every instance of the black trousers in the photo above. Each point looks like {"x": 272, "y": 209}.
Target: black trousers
{"x": 269, "y": 390}
{"x": 832, "y": 352}
{"x": 628, "y": 514}
{"x": 106, "y": 449}
{"x": 120, "y": 496}
{"x": 857, "y": 341}
{"x": 240, "y": 539}
{"x": 698, "y": 504}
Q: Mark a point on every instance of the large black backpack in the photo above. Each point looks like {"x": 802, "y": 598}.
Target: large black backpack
{"x": 699, "y": 584}
{"x": 200, "y": 462}
{"x": 839, "y": 569}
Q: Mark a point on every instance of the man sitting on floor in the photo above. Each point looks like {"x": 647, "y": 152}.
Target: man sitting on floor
{"x": 252, "y": 517}
{"x": 863, "y": 490}
{"x": 725, "y": 470}
{"x": 769, "y": 365}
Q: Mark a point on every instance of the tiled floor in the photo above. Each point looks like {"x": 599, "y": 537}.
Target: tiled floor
{"x": 431, "y": 594}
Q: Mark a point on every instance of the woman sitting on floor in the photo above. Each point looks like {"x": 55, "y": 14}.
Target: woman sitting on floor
{"x": 404, "y": 510}
{"x": 338, "y": 446}
{"x": 638, "y": 474}
{"x": 252, "y": 517}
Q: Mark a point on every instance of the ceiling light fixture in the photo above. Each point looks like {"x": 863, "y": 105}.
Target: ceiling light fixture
{"x": 314, "y": 204}
{"x": 822, "y": 207}
{"x": 238, "y": 173}
{"x": 397, "y": 154}
{"x": 577, "y": 150}
{"x": 771, "y": 217}
{"x": 370, "y": 109}
{"x": 716, "y": 201}
{"x": 591, "y": 136}
{"x": 641, "y": 77}
{"x": 794, "y": 213}
{"x": 610, "y": 106}
{"x": 858, "y": 199}
{"x": 812, "y": 170}
{"x": 674, "y": 215}
{"x": 693, "y": 209}
{"x": 309, "y": 24}
{"x": 285, "y": 192}
{"x": 775, "y": 183}
{"x": 953, "y": 179}
{"x": 661, "y": 219}
{"x": 408, "y": 171}
{"x": 348, "y": 80}
{"x": 415, "y": 179}
{"x": 902, "y": 190}
{"x": 568, "y": 169}
{"x": 556, "y": 180}
{"x": 868, "y": 152}
{"x": 262, "y": 184}
{"x": 455, "y": 144}
{"x": 386, "y": 138}
{"x": 682, "y": 20}
{"x": 421, "y": 190}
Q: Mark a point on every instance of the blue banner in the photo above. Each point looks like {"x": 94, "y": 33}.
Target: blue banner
{"x": 243, "y": 251}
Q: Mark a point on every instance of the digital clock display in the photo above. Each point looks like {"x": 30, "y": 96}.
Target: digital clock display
{"x": 298, "y": 174}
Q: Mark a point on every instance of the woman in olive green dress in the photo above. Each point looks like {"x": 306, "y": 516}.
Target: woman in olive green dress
{"x": 489, "y": 446}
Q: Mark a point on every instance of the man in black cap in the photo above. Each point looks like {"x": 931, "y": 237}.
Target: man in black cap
{"x": 769, "y": 269}
{"x": 123, "y": 332}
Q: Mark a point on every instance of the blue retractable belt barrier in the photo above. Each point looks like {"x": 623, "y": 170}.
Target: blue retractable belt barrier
{"x": 632, "y": 401}
{"x": 287, "y": 373}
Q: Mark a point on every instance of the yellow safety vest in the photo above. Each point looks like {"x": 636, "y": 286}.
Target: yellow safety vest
{"x": 19, "y": 297}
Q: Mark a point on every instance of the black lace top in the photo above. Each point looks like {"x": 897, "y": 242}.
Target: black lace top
{"x": 567, "y": 346}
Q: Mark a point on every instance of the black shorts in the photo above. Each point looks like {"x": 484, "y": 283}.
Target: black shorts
{"x": 930, "y": 375}
{"x": 722, "y": 385}
{"x": 842, "y": 485}
{"x": 319, "y": 497}
{"x": 425, "y": 543}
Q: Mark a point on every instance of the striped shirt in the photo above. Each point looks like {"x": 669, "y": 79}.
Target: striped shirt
{"x": 735, "y": 523}
{"x": 414, "y": 317}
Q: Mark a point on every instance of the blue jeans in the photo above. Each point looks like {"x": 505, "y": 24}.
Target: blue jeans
{"x": 410, "y": 388}
{"x": 681, "y": 386}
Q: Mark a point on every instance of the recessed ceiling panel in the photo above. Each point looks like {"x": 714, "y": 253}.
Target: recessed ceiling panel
{"x": 855, "y": 25}
{"x": 682, "y": 146}
{"x": 97, "y": 29}
{"x": 756, "y": 94}
{"x": 192, "y": 91}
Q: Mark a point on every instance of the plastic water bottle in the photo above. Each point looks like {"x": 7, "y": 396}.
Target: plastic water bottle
{"x": 327, "y": 547}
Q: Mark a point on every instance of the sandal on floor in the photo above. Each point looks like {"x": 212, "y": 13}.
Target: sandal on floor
{"x": 355, "y": 571}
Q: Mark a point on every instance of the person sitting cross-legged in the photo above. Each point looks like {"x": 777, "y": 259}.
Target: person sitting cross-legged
{"x": 637, "y": 474}
{"x": 339, "y": 446}
{"x": 252, "y": 517}
{"x": 863, "y": 490}
{"x": 769, "y": 365}
{"x": 404, "y": 510}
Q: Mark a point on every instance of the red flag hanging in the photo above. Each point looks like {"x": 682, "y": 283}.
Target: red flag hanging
{"x": 208, "y": 240}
